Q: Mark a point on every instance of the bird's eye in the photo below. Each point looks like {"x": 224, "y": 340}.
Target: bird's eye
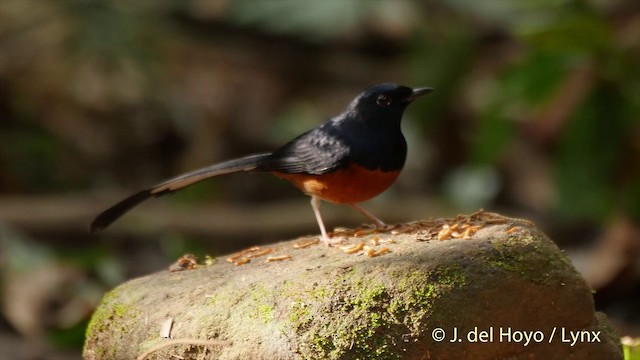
{"x": 383, "y": 100}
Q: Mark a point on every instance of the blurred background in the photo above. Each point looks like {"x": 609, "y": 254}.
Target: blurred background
{"x": 536, "y": 114}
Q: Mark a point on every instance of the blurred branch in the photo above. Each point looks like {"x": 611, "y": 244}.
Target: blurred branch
{"x": 548, "y": 122}
{"x": 53, "y": 214}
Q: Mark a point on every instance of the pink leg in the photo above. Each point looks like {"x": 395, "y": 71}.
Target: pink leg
{"x": 379, "y": 223}
{"x": 315, "y": 205}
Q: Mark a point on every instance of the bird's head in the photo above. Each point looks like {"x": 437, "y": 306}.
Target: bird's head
{"x": 384, "y": 101}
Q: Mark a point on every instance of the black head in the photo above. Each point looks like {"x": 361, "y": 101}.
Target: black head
{"x": 384, "y": 101}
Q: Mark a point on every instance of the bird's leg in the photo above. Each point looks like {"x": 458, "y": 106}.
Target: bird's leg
{"x": 379, "y": 223}
{"x": 315, "y": 205}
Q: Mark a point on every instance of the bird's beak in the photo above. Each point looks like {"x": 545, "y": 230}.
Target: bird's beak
{"x": 418, "y": 92}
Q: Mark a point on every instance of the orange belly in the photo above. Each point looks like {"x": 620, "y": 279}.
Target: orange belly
{"x": 349, "y": 185}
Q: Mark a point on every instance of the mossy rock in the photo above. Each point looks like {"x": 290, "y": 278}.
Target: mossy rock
{"x": 494, "y": 287}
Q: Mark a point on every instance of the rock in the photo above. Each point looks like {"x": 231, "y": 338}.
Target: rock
{"x": 500, "y": 290}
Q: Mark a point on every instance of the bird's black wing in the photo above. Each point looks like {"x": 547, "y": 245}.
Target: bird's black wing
{"x": 110, "y": 215}
{"x": 315, "y": 152}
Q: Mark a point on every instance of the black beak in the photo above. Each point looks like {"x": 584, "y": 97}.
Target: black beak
{"x": 418, "y": 92}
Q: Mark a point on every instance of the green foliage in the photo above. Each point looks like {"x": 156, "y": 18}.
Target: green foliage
{"x": 631, "y": 349}
{"x": 70, "y": 338}
{"x": 588, "y": 156}
{"x": 291, "y": 16}
{"x": 32, "y": 152}
{"x": 598, "y": 130}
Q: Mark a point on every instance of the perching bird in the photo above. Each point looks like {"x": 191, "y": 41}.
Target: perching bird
{"x": 351, "y": 158}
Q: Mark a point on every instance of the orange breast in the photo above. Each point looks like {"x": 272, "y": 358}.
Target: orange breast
{"x": 349, "y": 185}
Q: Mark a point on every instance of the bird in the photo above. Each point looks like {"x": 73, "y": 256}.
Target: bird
{"x": 350, "y": 158}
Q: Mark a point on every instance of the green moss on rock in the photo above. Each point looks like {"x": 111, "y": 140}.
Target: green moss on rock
{"x": 111, "y": 319}
{"x": 531, "y": 259}
{"x": 374, "y": 315}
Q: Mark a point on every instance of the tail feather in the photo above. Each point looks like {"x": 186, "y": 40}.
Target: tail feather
{"x": 112, "y": 214}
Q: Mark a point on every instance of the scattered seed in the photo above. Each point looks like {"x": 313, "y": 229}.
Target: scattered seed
{"x": 352, "y": 249}
{"x": 242, "y": 261}
{"x": 512, "y": 229}
{"x": 374, "y": 253}
{"x": 260, "y": 253}
{"x": 302, "y": 245}
{"x": 278, "y": 258}
{"x": 185, "y": 262}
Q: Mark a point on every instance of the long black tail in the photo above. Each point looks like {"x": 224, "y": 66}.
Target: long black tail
{"x": 112, "y": 214}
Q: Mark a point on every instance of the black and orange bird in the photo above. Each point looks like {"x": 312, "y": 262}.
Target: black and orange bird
{"x": 349, "y": 159}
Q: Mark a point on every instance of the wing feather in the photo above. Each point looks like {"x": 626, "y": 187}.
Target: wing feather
{"x": 316, "y": 152}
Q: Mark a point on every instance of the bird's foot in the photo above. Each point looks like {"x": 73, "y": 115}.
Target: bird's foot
{"x": 333, "y": 241}
{"x": 372, "y": 229}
